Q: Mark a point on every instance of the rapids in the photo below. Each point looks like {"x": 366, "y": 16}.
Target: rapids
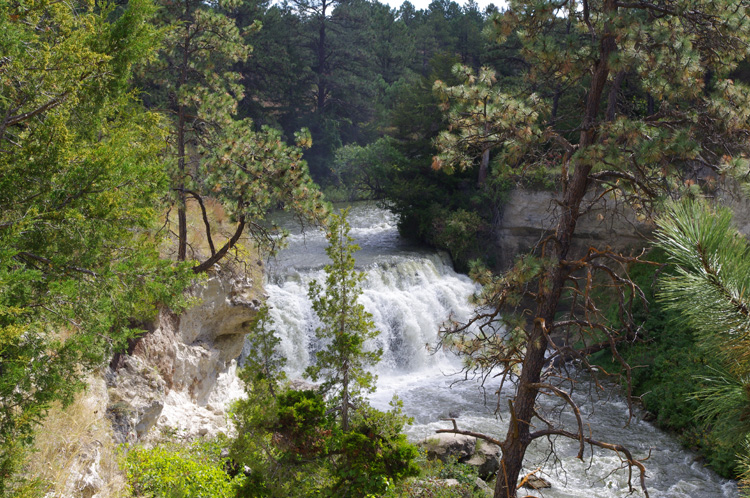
{"x": 410, "y": 291}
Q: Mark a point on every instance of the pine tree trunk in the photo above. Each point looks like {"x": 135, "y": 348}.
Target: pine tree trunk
{"x": 484, "y": 166}
{"x": 322, "y": 83}
{"x": 181, "y": 206}
{"x": 551, "y": 286}
{"x": 181, "y": 157}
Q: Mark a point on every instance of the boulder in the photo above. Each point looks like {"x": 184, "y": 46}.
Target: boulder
{"x": 443, "y": 446}
{"x": 486, "y": 459}
{"x": 483, "y": 488}
{"x": 464, "y": 449}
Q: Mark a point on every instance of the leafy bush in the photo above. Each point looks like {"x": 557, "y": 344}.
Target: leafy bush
{"x": 302, "y": 427}
{"x": 172, "y": 471}
{"x": 374, "y": 454}
{"x": 362, "y": 172}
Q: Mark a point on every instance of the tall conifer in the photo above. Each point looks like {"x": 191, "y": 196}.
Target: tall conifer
{"x": 344, "y": 360}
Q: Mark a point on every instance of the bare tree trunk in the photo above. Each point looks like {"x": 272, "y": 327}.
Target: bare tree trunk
{"x": 181, "y": 158}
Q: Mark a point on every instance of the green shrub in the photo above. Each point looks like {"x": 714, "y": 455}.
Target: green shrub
{"x": 302, "y": 424}
{"x": 373, "y": 455}
{"x": 457, "y": 232}
{"x": 175, "y": 472}
{"x": 292, "y": 447}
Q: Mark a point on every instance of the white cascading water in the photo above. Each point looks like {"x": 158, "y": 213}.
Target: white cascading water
{"x": 410, "y": 292}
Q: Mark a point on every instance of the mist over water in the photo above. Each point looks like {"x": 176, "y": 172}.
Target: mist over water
{"x": 410, "y": 292}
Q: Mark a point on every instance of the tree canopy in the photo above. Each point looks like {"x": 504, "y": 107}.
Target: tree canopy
{"x": 80, "y": 184}
{"x": 194, "y": 83}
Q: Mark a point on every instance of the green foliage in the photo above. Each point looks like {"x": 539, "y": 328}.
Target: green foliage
{"x": 250, "y": 170}
{"x": 302, "y": 424}
{"x": 481, "y": 116}
{"x": 294, "y": 448}
{"x": 343, "y": 361}
{"x": 80, "y": 184}
{"x": 713, "y": 273}
{"x": 364, "y": 171}
{"x": 285, "y": 442}
{"x": 458, "y": 232}
{"x": 708, "y": 291}
{"x": 425, "y": 198}
{"x": 374, "y": 454}
{"x": 177, "y": 471}
{"x": 263, "y": 365}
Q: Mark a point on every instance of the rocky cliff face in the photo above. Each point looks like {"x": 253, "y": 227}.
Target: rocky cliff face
{"x": 529, "y": 216}
{"x": 181, "y": 376}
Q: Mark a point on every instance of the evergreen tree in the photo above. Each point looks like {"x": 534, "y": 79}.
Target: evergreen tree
{"x": 709, "y": 293}
{"x": 80, "y": 184}
{"x": 343, "y": 361}
{"x": 288, "y": 439}
{"x": 277, "y": 77}
{"x": 264, "y": 362}
{"x": 193, "y": 80}
{"x": 680, "y": 109}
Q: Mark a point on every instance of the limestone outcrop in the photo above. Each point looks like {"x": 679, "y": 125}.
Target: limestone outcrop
{"x": 531, "y": 215}
{"x": 528, "y": 216}
{"x": 181, "y": 375}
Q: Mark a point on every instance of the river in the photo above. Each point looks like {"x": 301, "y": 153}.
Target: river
{"x": 410, "y": 291}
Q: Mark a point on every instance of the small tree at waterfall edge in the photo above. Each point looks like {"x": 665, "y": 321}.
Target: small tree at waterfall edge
{"x": 344, "y": 360}
{"x": 288, "y": 439}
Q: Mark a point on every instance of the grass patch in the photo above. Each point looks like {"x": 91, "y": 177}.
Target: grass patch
{"x": 70, "y": 442}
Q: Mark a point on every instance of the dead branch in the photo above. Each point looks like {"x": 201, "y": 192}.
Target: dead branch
{"x": 617, "y": 448}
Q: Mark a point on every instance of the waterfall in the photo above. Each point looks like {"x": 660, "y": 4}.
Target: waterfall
{"x": 410, "y": 292}
{"x": 409, "y": 297}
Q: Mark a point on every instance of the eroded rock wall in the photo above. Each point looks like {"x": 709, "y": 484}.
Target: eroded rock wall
{"x": 182, "y": 375}
{"x": 529, "y": 216}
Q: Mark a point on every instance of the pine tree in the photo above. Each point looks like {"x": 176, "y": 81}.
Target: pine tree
{"x": 264, "y": 364}
{"x": 249, "y": 170}
{"x": 344, "y": 360}
{"x": 647, "y": 87}
{"x": 479, "y": 114}
{"x": 709, "y": 292}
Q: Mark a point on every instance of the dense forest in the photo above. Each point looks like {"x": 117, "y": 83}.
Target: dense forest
{"x": 143, "y": 143}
